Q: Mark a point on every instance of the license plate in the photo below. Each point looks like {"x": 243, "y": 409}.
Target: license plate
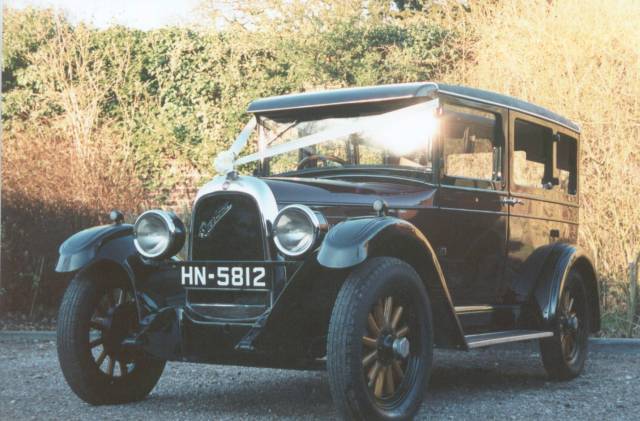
{"x": 233, "y": 276}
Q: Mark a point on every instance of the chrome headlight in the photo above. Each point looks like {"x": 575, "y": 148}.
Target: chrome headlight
{"x": 297, "y": 229}
{"x": 158, "y": 234}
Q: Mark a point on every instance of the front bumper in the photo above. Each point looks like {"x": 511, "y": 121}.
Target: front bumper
{"x": 172, "y": 329}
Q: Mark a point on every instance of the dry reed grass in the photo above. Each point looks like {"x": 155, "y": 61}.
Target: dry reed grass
{"x": 580, "y": 58}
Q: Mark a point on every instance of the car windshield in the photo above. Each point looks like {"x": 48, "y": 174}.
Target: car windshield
{"x": 398, "y": 139}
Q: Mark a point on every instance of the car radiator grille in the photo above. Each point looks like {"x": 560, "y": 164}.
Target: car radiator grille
{"x": 227, "y": 226}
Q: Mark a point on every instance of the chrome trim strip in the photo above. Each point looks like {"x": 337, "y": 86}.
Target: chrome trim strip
{"x": 228, "y": 305}
{"x": 476, "y": 341}
{"x": 474, "y": 211}
{"x": 542, "y": 198}
{"x": 502, "y": 192}
{"x": 228, "y": 289}
{"x": 474, "y": 309}
{"x": 543, "y": 218}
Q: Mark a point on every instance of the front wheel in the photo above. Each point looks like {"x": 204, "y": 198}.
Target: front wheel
{"x": 565, "y": 353}
{"x": 96, "y": 314}
{"x": 380, "y": 342}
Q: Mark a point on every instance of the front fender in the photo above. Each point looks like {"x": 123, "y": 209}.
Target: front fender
{"x": 109, "y": 242}
{"x": 348, "y": 243}
{"x": 351, "y": 242}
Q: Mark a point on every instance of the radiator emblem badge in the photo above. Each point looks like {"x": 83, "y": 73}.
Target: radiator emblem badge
{"x": 207, "y": 227}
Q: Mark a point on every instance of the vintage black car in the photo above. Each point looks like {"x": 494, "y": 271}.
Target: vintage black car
{"x": 352, "y": 229}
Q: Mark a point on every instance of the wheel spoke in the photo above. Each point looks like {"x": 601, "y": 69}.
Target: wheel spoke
{"x": 388, "y": 308}
{"x": 123, "y": 368}
{"x": 379, "y": 313}
{"x": 94, "y": 343}
{"x": 570, "y": 306}
{"x": 389, "y": 385}
{"x": 101, "y": 358}
{"x": 402, "y": 332}
{"x": 379, "y": 383}
{"x": 120, "y": 299}
{"x": 569, "y": 343}
{"x": 112, "y": 364}
{"x": 373, "y": 373}
{"x": 369, "y": 358}
{"x": 373, "y": 326}
{"x": 396, "y": 317}
{"x": 369, "y": 342}
{"x": 398, "y": 370}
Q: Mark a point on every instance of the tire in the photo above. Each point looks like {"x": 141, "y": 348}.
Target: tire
{"x": 138, "y": 372}
{"x": 353, "y": 380}
{"x": 564, "y": 358}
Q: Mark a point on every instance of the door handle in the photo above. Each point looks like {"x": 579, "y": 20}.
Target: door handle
{"x": 511, "y": 201}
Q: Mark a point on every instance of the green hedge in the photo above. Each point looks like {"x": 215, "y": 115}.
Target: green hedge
{"x": 170, "y": 99}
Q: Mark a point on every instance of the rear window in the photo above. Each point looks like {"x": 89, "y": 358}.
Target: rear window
{"x": 567, "y": 164}
{"x": 532, "y": 166}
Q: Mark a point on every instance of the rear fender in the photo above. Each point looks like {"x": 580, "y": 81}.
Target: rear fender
{"x": 353, "y": 241}
{"x": 560, "y": 260}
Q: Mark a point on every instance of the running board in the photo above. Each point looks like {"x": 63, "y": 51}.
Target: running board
{"x": 494, "y": 338}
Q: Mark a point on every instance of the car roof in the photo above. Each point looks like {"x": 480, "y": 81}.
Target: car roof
{"x": 381, "y": 93}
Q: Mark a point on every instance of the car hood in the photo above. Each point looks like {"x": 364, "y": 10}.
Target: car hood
{"x": 397, "y": 193}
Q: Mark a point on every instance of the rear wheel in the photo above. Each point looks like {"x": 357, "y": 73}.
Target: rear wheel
{"x": 380, "y": 342}
{"x": 565, "y": 353}
{"x": 95, "y": 315}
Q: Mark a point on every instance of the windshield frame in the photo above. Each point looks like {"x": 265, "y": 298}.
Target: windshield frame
{"x": 264, "y": 152}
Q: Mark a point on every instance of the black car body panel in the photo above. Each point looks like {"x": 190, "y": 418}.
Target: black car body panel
{"x": 493, "y": 254}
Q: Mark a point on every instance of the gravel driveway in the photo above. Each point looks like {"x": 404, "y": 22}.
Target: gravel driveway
{"x": 487, "y": 384}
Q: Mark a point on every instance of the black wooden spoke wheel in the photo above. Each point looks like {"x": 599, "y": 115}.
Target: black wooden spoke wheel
{"x": 97, "y": 313}
{"x": 387, "y": 348}
{"x": 564, "y": 354}
{"x": 113, "y": 320}
{"x": 380, "y": 342}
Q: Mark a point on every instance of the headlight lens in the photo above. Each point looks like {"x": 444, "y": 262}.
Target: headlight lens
{"x": 158, "y": 234}
{"x": 297, "y": 229}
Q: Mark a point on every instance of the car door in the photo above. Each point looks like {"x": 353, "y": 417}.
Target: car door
{"x": 472, "y": 214}
{"x": 544, "y": 195}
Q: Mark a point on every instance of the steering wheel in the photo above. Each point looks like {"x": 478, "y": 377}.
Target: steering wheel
{"x": 307, "y": 161}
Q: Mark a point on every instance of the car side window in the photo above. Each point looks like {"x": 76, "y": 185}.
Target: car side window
{"x": 532, "y": 157}
{"x": 567, "y": 164}
{"x": 471, "y": 148}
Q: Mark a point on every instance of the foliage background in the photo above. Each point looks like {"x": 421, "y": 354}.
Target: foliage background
{"x": 120, "y": 118}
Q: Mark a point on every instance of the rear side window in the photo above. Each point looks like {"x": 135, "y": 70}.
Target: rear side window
{"x": 567, "y": 164}
{"x": 533, "y": 154}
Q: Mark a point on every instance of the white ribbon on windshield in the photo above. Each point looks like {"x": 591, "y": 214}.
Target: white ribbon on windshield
{"x": 347, "y": 128}
{"x": 224, "y": 162}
